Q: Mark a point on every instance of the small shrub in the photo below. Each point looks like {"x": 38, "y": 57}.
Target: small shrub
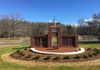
{"x": 56, "y": 58}
{"x": 96, "y": 50}
{"x": 66, "y": 57}
{"x": 77, "y": 57}
{"x": 84, "y": 56}
{"x": 17, "y": 51}
{"x": 47, "y": 58}
{"x": 28, "y": 56}
{"x": 88, "y": 49}
{"x": 30, "y": 50}
{"x": 25, "y": 49}
{"x": 22, "y": 54}
{"x": 36, "y": 57}
{"x": 94, "y": 53}
{"x": 90, "y": 55}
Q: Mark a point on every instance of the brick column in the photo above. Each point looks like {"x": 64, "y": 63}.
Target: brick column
{"x": 41, "y": 42}
{"x": 59, "y": 38}
{"x": 76, "y": 41}
{"x": 49, "y": 38}
{"x": 32, "y": 41}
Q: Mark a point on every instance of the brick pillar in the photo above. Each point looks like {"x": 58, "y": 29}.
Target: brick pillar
{"x": 49, "y": 38}
{"x": 32, "y": 41}
{"x": 41, "y": 42}
{"x": 76, "y": 41}
{"x": 59, "y": 38}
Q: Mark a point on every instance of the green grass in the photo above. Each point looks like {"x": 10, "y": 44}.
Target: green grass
{"x": 11, "y": 66}
{"x": 90, "y": 45}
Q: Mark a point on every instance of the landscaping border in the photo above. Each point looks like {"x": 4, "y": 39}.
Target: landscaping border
{"x": 8, "y": 58}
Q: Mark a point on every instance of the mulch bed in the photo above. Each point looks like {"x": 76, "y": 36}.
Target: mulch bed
{"x": 26, "y": 54}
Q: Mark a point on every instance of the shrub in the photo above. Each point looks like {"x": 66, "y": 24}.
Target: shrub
{"x": 76, "y": 57}
{"x": 22, "y": 54}
{"x": 84, "y": 56}
{"x": 36, "y": 57}
{"x": 94, "y": 53}
{"x": 56, "y": 58}
{"x": 25, "y": 49}
{"x": 96, "y": 50}
{"x": 88, "y": 49}
{"x": 66, "y": 57}
{"x": 17, "y": 51}
{"x": 28, "y": 56}
{"x": 47, "y": 58}
{"x": 90, "y": 55}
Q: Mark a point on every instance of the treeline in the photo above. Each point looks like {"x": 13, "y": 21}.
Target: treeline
{"x": 91, "y": 27}
{"x": 12, "y": 26}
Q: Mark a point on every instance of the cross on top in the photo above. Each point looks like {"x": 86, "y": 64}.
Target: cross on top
{"x": 54, "y": 22}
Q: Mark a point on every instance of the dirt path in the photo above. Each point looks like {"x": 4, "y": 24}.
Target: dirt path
{"x": 7, "y": 58}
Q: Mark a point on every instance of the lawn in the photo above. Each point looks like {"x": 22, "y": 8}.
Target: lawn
{"x": 4, "y": 65}
{"x": 88, "y": 45}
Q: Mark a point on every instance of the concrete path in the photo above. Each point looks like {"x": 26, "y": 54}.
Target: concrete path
{"x": 60, "y": 53}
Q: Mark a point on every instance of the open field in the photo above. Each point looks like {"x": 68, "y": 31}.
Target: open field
{"x": 90, "y": 45}
{"x": 9, "y": 47}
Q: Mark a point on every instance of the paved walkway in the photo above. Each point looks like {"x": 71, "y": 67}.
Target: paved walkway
{"x": 60, "y": 53}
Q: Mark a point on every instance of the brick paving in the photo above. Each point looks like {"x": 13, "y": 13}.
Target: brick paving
{"x": 62, "y": 49}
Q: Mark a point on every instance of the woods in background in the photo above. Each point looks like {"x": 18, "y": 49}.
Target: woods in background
{"x": 91, "y": 27}
{"x": 14, "y": 25}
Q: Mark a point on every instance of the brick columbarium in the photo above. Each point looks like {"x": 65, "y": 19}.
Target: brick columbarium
{"x": 55, "y": 41}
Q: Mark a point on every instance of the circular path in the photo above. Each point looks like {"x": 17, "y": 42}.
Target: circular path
{"x": 7, "y": 58}
{"x": 59, "y": 53}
